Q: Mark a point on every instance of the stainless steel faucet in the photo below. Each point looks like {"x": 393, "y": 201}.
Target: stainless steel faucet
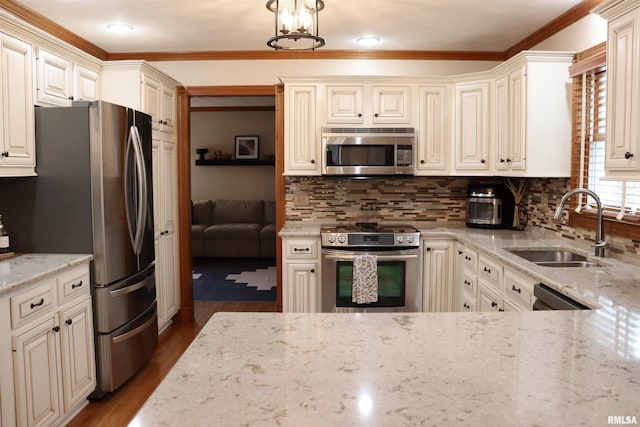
{"x": 600, "y": 243}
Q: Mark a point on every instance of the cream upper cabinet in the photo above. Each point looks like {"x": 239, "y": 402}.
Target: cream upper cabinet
{"x": 368, "y": 104}
{"x": 622, "y": 158}
{"x": 137, "y": 85}
{"x": 471, "y": 127}
{"x": 54, "y": 76}
{"x": 61, "y": 80}
{"x": 434, "y": 144}
{"x": 302, "y": 136}
{"x": 17, "y": 137}
{"x": 532, "y": 115}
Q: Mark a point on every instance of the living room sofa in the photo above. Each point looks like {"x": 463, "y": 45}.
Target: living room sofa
{"x": 233, "y": 228}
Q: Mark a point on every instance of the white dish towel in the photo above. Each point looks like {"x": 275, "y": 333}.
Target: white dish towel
{"x": 365, "y": 279}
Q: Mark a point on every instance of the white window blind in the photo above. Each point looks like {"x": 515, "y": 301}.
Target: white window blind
{"x": 590, "y": 96}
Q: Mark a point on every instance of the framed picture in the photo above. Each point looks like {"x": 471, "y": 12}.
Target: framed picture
{"x": 246, "y": 147}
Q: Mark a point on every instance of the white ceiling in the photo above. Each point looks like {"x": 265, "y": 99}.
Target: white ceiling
{"x": 219, "y": 25}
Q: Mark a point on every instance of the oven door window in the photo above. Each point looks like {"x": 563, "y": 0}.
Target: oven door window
{"x": 391, "y": 284}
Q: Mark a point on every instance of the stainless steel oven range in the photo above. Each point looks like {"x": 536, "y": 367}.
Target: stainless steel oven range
{"x": 397, "y": 251}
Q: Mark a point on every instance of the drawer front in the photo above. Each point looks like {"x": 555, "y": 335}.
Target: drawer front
{"x": 490, "y": 271}
{"x": 469, "y": 283}
{"x": 518, "y": 288}
{"x": 306, "y": 249}
{"x": 32, "y": 303}
{"x": 73, "y": 284}
{"x": 470, "y": 258}
{"x": 467, "y": 304}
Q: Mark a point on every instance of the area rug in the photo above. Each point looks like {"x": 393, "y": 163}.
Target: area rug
{"x": 234, "y": 279}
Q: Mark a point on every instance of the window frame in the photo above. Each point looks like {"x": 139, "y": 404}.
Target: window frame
{"x": 629, "y": 225}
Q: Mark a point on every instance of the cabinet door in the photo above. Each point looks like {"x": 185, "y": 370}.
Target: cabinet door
{"x": 37, "y": 367}
{"x": 152, "y": 99}
{"x": 86, "y": 84}
{"x": 501, "y": 123}
{"x": 622, "y": 148}
{"x": 54, "y": 79}
{"x": 438, "y": 290}
{"x": 168, "y": 109}
{"x": 78, "y": 357}
{"x": 17, "y": 126}
{"x": 301, "y": 289}
{"x": 391, "y": 104}
{"x": 344, "y": 104}
{"x": 472, "y": 127}
{"x": 433, "y": 138}
{"x": 517, "y": 120}
{"x": 302, "y": 145}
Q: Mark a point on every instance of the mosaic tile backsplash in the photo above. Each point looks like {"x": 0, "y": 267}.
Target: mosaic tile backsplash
{"x": 441, "y": 200}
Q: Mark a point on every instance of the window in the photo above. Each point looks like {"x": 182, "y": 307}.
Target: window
{"x": 621, "y": 199}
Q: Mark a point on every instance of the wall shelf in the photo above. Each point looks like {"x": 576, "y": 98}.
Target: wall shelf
{"x": 235, "y": 162}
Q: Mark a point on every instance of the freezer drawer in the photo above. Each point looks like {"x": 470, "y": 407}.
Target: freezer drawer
{"x": 121, "y": 302}
{"x": 125, "y": 351}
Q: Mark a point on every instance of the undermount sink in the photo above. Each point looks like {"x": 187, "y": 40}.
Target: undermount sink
{"x": 555, "y": 258}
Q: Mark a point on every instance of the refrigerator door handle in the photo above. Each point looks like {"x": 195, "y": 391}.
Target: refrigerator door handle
{"x": 142, "y": 190}
{"x": 134, "y": 146}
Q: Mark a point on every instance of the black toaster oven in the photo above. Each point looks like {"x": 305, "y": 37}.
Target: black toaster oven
{"x": 489, "y": 206}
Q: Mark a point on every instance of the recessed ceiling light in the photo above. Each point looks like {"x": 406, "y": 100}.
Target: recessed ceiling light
{"x": 368, "y": 40}
{"x": 120, "y": 28}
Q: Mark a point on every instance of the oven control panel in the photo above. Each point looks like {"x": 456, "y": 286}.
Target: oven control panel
{"x": 376, "y": 239}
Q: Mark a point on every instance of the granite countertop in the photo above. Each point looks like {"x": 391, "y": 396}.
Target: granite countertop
{"x": 381, "y": 369}
{"x": 23, "y": 270}
{"x": 550, "y": 368}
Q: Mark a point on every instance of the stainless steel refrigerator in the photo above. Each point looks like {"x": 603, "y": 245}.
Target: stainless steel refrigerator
{"x": 93, "y": 194}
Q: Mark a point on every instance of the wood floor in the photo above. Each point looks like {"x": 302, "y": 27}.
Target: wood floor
{"x": 121, "y": 407}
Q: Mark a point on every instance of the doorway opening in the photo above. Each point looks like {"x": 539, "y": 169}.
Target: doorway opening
{"x": 217, "y": 125}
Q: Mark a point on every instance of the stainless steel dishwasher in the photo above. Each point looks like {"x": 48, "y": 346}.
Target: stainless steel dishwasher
{"x": 550, "y": 299}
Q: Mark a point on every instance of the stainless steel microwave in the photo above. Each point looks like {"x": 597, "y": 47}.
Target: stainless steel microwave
{"x": 368, "y": 151}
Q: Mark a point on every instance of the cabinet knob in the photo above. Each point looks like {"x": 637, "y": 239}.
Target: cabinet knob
{"x": 514, "y": 289}
{"x": 359, "y": 114}
{"x": 428, "y": 249}
{"x": 508, "y": 160}
{"x": 494, "y": 304}
{"x": 501, "y": 160}
{"x": 71, "y": 98}
{"x": 313, "y": 270}
{"x": 483, "y": 161}
{"x": 487, "y": 270}
{"x": 313, "y": 161}
{"x": 500, "y": 309}
{"x": 465, "y": 305}
{"x": 5, "y": 154}
{"x": 76, "y": 285}
{"x": 375, "y": 115}
{"x": 422, "y": 162}
{"x": 628, "y": 155}
{"x": 68, "y": 321}
{"x": 56, "y": 329}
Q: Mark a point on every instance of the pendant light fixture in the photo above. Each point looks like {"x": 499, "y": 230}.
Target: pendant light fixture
{"x": 296, "y": 24}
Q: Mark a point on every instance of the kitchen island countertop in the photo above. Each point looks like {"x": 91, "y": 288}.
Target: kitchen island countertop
{"x": 552, "y": 368}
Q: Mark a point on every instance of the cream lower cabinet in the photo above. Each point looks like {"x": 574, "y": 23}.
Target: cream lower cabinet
{"x": 518, "y": 291}
{"x": 52, "y": 350}
{"x": 301, "y": 275}
{"x": 165, "y": 191}
{"x": 438, "y": 292}
{"x": 467, "y": 278}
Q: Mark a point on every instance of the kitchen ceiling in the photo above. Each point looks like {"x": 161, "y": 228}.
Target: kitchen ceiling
{"x": 240, "y": 25}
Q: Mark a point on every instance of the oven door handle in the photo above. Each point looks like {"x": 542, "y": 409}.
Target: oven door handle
{"x": 380, "y": 257}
